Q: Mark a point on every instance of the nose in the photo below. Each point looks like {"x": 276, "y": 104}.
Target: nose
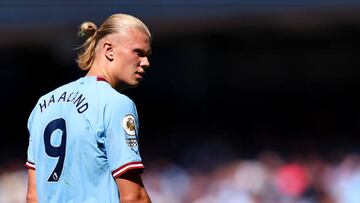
{"x": 145, "y": 64}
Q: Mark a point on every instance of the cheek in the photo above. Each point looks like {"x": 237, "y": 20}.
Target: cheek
{"x": 129, "y": 61}
{"x": 135, "y": 60}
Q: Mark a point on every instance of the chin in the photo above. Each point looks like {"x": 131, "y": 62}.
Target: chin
{"x": 134, "y": 84}
{"x": 124, "y": 86}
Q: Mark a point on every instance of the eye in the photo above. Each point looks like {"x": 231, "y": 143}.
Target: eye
{"x": 140, "y": 52}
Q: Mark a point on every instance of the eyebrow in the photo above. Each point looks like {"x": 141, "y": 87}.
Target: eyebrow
{"x": 143, "y": 52}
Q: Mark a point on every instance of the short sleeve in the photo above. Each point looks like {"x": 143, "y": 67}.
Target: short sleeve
{"x": 30, "y": 163}
{"x": 121, "y": 129}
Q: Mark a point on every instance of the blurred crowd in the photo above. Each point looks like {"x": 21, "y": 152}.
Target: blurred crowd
{"x": 267, "y": 178}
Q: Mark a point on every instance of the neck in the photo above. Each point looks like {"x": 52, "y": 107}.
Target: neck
{"x": 96, "y": 71}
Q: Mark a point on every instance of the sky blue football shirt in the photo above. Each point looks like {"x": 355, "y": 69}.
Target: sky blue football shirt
{"x": 82, "y": 136}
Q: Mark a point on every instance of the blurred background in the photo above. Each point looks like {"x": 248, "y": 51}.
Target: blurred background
{"x": 246, "y": 101}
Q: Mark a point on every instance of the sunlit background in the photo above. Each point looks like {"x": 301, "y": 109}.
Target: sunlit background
{"x": 245, "y": 102}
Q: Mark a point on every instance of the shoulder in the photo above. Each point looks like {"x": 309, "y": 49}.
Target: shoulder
{"x": 115, "y": 99}
{"x": 44, "y": 99}
{"x": 119, "y": 102}
{"x": 60, "y": 88}
{"x": 117, "y": 107}
{"x": 41, "y": 103}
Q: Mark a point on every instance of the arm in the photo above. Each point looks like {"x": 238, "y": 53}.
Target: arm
{"x": 131, "y": 188}
{"x": 31, "y": 196}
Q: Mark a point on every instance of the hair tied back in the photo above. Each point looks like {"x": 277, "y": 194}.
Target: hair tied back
{"x": 87, "y": 29}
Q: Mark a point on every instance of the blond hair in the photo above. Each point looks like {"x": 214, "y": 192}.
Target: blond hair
{"x": 116, "y": 23}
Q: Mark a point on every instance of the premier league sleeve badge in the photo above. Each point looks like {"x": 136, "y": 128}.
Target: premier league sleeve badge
{"x": 129, "y": 125}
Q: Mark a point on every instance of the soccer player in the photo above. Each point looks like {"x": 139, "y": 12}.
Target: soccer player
{"x": 83, "y": 144}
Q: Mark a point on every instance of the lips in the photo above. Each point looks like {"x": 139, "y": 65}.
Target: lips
{"x": 140, "y": 72}
{"x": 139, "y": 76}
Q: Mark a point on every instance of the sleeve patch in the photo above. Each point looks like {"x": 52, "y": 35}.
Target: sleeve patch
{"x": 129, "y": 125}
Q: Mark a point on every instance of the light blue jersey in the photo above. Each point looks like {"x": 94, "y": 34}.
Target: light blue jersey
{"x": 82, "y": 136}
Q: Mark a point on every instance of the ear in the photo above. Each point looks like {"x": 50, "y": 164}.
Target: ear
{"x": 109, "y": 50}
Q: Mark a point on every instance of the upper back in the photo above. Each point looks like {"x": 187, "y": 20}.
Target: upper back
{"x": 67, "y": 129}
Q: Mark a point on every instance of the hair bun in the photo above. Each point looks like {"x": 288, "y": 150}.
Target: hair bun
{"x": 87, "y": 29}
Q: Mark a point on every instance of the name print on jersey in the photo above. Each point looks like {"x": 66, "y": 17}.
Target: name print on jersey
{"x": 77, "y": 99}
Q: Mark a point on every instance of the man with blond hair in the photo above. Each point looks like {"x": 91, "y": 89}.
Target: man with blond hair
{"x": 83, "y": 144}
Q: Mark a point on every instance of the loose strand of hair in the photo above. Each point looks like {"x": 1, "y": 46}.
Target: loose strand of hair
{"x": 87, "y": 53}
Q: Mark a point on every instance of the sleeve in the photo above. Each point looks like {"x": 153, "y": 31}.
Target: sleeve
{"x": 121, "y": 129}
{"x": 30, "y": 163}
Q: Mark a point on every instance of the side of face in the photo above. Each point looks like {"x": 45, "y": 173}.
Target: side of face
{"x": 130, "y": 58}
